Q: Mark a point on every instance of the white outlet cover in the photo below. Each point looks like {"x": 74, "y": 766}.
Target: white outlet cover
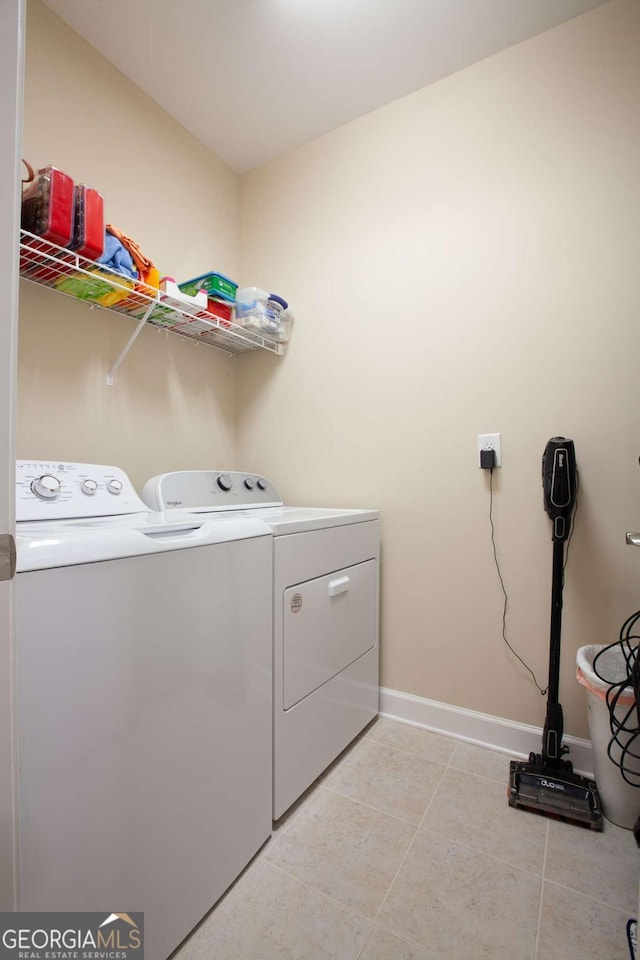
{"x": 490, "y": 441}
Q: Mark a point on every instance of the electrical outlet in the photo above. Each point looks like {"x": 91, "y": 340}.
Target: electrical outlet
{"x": 490, "y": 441}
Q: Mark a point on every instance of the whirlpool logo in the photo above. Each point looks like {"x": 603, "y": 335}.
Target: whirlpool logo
{"x": 71, "y": 936}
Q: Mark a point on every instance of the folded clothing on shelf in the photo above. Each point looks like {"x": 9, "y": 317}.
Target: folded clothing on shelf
{"x": 117, "y": 258}
{"x": 147, "y": 273}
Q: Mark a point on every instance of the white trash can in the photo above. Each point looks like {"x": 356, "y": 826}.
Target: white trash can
{"x": 620, "y": 800}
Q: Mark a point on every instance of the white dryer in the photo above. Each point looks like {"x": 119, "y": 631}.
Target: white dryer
{"x": 143, "y": 700}
{"x": 325, "y": 616}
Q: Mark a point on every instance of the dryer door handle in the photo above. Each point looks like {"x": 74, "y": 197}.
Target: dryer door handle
{"x": 341, "y": 585}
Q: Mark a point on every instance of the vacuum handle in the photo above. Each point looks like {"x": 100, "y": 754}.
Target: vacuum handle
{"x": 559, "y": 482}
{"x": 552, "y": 748}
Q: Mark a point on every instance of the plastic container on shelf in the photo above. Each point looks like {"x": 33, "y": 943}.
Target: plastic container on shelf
{"x": 265, "y": 313}
{"x": 620, "y": 799}
{"x": 221, "y": 309}
{"x": 190, "y": 303}
{"x": 48, "y": 206}
{"x": 278, "y": 302}
{"x": 249, "y": 295}
{"x": 64, "y": 271}
{"x": 88, "y": 222}
{"x": 212, "y": 283}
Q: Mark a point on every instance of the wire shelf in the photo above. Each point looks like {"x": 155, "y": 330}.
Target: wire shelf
{"x": 64, "y": 271}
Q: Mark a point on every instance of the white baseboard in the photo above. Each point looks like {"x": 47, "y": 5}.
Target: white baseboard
{"x": 507, "y": 736}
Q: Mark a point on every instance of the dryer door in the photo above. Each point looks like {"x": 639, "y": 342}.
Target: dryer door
{"x": 328, "y": 623}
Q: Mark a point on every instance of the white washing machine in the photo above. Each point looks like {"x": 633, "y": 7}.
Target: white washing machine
{"x": 144, "y": 700}
{"x": 325, "y": 616}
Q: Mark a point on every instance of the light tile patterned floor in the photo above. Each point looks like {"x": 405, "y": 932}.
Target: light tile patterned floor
{"x": 406, "y": 849}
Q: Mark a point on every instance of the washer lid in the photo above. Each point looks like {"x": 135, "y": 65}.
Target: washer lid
{"x": 44, "y": 544}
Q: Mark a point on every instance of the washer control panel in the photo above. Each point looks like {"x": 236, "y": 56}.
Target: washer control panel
{"x": 209, "y": 490}
{"x": 54, "y": 490}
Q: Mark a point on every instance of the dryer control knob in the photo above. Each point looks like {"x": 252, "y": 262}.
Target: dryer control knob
{"x": 225, "y": 482}
{"x": 114, "y": 486}
{"x": 89, "y": 487}
{"x": 249, "y": 483}
{"x": 262, "y": 484}
{"x": 46, "y": 487}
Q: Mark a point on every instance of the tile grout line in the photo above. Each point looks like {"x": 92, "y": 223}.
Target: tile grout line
{"x": 406, "y": 853}
{"x": 413, "y": 753}
{"x": 327, "y": 896}
{"x": 448, "y": 763}
{"x": 472, "y": 773}
{"x": 437, "y": 787}
{"x": 483, "y": 853}
{"x": 542, "y": 882}
{"x": 326, "y": 785}
{"x": 443, "y": 836}
{"x": 587, "y": 896}
{"x": 331, "y": 899}
{"x": 372, "y": 921}
{"x": 368, "y": 806}
{"x": 412, "y": 943}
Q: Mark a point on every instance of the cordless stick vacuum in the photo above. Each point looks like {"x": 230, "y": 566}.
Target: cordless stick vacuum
{"x": 547, "y": 783}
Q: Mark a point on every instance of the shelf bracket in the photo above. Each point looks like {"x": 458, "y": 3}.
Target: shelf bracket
{"x": 130, "y": 342}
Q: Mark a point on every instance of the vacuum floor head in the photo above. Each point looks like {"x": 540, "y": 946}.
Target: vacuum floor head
{"x": 556, "y": 792}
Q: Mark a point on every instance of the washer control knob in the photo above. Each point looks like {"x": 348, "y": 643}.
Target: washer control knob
{"x": 225, "y": 482}
{"x": 114, "y": 486}
{"x": 262, "y": 484}
{"x": 46, "y": 487}
{"x": 89, "y": 487}
{"x": 249, "y": 483}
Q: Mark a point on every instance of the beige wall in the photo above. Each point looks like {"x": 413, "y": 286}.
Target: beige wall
{"x": 465, "y": 261}
{"x": 173, "y": 404}
{"x": 461, "y": 261}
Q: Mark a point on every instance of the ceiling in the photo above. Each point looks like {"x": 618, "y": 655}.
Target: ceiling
{"x": 254, "y": 78}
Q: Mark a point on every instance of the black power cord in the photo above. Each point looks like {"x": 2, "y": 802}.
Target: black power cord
{"x": 624, "y": 726}
{"x": 624, "y": 723}
{"x": 543, "y": 692}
